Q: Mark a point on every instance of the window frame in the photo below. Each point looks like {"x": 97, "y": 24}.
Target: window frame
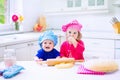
{"x": 7, "y": 12}
{"x": 14, "y": 7}
{"x": 6, "y": 26}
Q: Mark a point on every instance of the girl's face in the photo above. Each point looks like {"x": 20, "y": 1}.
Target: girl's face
{"x": 47, "y": 45}
{"x": 71, "y": 32}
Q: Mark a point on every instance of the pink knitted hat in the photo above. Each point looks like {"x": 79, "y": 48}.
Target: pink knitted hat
{"x": 74, "y": 24}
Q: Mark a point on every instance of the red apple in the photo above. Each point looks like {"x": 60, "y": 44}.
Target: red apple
{"x": 38, "y": 28}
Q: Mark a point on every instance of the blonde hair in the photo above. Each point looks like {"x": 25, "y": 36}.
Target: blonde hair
{"x": 79, "y": 36}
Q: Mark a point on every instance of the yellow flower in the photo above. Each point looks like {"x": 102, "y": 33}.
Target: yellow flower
{"x": 21, "y": 18}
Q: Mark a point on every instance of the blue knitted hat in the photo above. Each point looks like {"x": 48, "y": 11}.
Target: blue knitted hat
{"x": 48, "y": 35}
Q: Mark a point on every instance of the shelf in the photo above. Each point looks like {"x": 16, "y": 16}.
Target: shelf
{"x": 75, "y": 12}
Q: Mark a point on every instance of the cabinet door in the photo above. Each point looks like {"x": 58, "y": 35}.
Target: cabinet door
{"x": 25, "y": 51}
{"x": 87, "y": 4}
{"x": 22, "y": 51}
{"x": 34, "y": 47}
{"x": 1, "y": 53}
{"x": 61, "y": 40}
{"x": 97, "y": 4}
{"x": 117, "y": 49}
{"x": 99, "y": 48}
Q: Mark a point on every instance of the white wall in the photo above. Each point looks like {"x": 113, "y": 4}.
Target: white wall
{"x": 32, "y": 9}
{"x": 92, "y": 22}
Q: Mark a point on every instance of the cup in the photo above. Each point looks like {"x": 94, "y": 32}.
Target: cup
{"x": 9, "y": 57}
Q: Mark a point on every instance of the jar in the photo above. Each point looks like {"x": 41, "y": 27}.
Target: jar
{"x": 9, "y": 57}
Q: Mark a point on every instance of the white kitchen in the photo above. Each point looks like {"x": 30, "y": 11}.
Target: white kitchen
{"x": 99, "y": 33}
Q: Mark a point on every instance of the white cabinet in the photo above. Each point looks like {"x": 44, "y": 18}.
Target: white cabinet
{"x": 117, "y": 49}
{"x": 60, "y": 41}
{"x": 25, "y": 51}
{"x": 87, "y": 4}
{"x": 1, "y": 53}
{"x": 34, "y": 47}
{"x": 98, "y": 48}
{"x": 96, "y": 4}
{"x": 61, "y": 38}
{"x": 76, "y": 6}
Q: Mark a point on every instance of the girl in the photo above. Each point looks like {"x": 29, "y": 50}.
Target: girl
{"x": 73, "y": 46}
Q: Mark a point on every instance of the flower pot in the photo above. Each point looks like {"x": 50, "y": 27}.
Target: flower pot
{"x": 17, "y": 26}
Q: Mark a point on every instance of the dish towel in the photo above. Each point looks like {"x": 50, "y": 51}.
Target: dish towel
{"x": 83, "y": 70}
{"x": 1, "y": 72}
{"x": 12, "y": 71}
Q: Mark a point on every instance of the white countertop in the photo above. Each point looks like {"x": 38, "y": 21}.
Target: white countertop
{"x": 18, "y": 38}
{"x": 35, "y": 71}
{"x": 22, "y": 37}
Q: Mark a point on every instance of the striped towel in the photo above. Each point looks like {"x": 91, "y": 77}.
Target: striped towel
{"x": 83, "y": 70}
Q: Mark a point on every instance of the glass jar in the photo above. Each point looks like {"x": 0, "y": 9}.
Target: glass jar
{"x": 9, "y": 57}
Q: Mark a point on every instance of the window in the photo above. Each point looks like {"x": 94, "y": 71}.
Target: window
{"x": 7, "y": 9}
{"x": 4, "y": 11}
{"x": 5, "y": 15}
{"x": 72, "y": 3}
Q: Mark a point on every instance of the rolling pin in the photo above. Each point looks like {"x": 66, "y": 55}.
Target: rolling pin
{"x": 53, "y": 62}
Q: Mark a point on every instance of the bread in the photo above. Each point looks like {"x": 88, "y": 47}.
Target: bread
{"x": 101, "y": 65}
{"x": 64, "y": 65}
{"x": 53, "y": 62}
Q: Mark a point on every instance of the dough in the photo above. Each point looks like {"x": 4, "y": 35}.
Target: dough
{"x": 64, "y": 65}
{"x": 52, "y": 62}
{"x": 101, "y": 65}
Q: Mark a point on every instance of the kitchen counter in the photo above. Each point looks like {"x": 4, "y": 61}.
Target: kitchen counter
{"x": 34, "y": 71}
{"x": 33, "y": 36}
{"x": 22, "y": 37}
{"x": 18, "y": 38}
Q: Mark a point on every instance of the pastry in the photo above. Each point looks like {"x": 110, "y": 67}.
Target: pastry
{"x": 101, "y": 65}
{"x": 52, "y": 62}
{"x": 64, "y": 65}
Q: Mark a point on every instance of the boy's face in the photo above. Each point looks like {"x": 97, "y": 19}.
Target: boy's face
{"x": 47, "y": 45}
{"x": 71, "y": 32}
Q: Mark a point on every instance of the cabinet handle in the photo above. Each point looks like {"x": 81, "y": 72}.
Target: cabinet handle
{"x": 28, "y": 44}
{"x": 117, "y": 48}
{"x": 95, "y": 43}
{"x": 32, "y": 44}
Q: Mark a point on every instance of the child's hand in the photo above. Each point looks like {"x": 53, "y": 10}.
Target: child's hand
{"x": 37, "y": 59}
{"x": 72, "y": 40}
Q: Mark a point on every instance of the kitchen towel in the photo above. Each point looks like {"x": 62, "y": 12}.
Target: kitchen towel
{"x": 83, "y": 70}
{"x": 12, "y": 71}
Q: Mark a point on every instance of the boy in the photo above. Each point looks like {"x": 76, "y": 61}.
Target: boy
{"x": 47, "y": 42}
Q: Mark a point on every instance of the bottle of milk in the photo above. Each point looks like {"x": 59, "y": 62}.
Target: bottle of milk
{"x": 9, "y": 57}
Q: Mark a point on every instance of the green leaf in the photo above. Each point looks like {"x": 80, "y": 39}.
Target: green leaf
{"x": 2, "y": 19}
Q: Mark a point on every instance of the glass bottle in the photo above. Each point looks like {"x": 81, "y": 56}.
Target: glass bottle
{"x": 9, "y": 57}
